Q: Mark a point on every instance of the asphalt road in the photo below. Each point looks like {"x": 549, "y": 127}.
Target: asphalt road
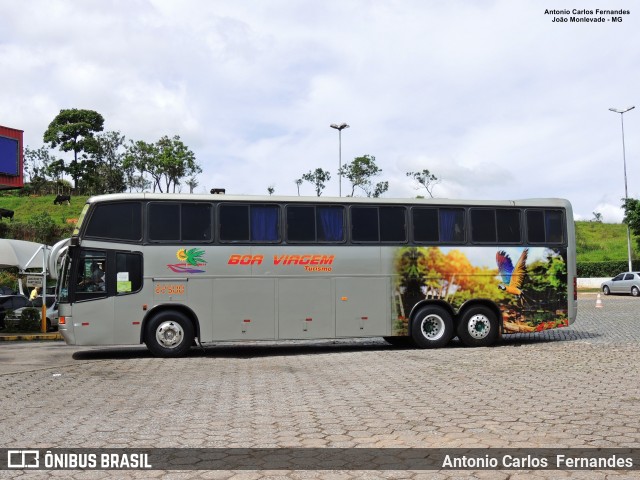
{"x": 572, "y": 387}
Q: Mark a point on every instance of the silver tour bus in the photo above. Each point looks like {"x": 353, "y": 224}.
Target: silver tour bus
{"x": 172, "y": 271}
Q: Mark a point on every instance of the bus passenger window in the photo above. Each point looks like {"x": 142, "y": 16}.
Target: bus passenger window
{"x": 508, "y": 221}
{"x": 330, "y": 224}
{"x": 393, "y": 222}
{"x": 118, "y": 221}
{"x": 301, "y": 224}
{"x": 535, "y": 226}
{"x": 364, "y": 224}
{"x": 164, "y": 221}
{"x": 234, "y": 223}
{"x": 452, "y": 225}
{"x": 264, "y": 223}
{"x": 553, "y": 224}
{"x": 425, "y": 225}
{"x": 483, "y": 225}
{"x": 196, "y": 222}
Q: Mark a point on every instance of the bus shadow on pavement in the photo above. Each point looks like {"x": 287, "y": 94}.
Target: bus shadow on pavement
{"x": 239, "y": 350}
{"x": 552, "y": 336}
{"x": 268, "y": 349}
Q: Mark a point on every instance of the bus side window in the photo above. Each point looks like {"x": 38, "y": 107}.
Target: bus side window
{"x": 425, "y": 224}
{"x": 364, "y": 224}
{"x": 330, "y": 223}
{"x": 234, "y": 223}
{"x": 452, "y": 225}
{"x": 508, "y": 221}
{"x": 128, "y": 273}
{"x": 116, "y": 221}
{"x": 553, "y": 224}
{"x": 483, "y": 225}
{"x": 91, "y": 275}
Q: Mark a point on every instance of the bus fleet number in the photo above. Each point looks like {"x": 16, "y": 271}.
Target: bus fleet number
{"x": 169, "y": 289}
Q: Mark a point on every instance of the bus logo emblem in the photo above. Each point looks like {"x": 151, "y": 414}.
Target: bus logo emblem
{"x": 191, "y": 259}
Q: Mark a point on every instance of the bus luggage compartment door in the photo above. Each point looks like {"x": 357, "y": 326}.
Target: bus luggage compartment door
{"x": 244, "y": 309}
{"x": 363, "y": 307}
{"x": 305, "y": 309}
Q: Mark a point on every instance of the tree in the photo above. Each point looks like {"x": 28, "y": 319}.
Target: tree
{"x": 597, "y": 217}
{"x": 426, "y": 179}
{"x": 317, "y": 177}
{"x": 360, "y": 173}
{"x": 298, "y": 183}
{"x": 174, "y": 161}
{"x": 38, "y": 168}
{"x": 137, "y": 162}
{"x": 103, "y": 172}
{"x": 631, "y": 208}
{"x": 73, "y": 130}
{"x": 192, "y": 183}
{"x": 271, "y": 189}
{"x": 167, "y": 162}
{"x": 380, "y": 188}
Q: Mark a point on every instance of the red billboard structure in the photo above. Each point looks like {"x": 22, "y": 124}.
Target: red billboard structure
{"x": 11, "y": 158}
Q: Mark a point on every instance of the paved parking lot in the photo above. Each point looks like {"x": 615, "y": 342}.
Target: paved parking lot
{"x": 574, "y": 387}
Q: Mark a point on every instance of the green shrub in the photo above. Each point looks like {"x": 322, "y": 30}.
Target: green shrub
{"x": 605, "y": 269}
{"x": 30, "y": 320}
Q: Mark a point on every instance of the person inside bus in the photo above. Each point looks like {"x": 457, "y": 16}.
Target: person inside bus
{"x": 97, "y": 277}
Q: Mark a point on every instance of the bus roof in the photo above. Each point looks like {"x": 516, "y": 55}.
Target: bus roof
{"x": 539, "y": 202}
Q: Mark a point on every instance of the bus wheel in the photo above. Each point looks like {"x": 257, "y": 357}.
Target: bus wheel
{"x": 478, "y": 327}
{"x": 432, "y": 327}
{"x": 169, "y": 334}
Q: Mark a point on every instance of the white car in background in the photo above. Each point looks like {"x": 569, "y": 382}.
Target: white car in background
{"x": 625, "y": 282}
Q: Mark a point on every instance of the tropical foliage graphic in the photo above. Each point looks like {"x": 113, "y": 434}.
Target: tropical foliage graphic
{"x": 532, "y": 295}
{"x": 191, "y": 258}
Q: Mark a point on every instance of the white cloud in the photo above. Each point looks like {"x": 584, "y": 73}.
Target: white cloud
{"x": 490, "y": 96}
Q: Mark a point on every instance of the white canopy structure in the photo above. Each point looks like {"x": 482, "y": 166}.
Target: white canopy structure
{"x": 21, "y": 254}
{"x": 26, "y": 255}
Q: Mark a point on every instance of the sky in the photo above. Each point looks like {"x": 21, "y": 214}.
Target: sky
{"x": 493, "y": 97}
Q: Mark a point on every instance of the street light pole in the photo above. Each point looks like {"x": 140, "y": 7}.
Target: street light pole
{"x": 340, "y": 127}
{"x": 624, "y": 160}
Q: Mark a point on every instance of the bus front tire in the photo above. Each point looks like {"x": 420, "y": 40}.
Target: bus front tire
{"x": 169, "y": 334}
{"x": 478, "y": 327}
{"x": 432, "y": 327}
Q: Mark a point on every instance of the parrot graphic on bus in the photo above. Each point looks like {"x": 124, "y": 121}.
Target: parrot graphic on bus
{"x": 512, "y": 277}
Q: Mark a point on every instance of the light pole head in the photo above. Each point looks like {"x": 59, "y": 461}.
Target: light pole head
{"x": 623, "y": 110}
{"x": 339, "y": 127}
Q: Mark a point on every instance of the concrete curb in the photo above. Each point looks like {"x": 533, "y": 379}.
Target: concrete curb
{"x": 29, "y": 337}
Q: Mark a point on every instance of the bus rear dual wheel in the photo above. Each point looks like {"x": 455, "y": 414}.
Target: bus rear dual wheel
{"x": 169, "y": 334}
{"x": 433, "y": 327}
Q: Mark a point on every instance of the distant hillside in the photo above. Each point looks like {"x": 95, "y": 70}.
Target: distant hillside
{"x": 601, "y": 242}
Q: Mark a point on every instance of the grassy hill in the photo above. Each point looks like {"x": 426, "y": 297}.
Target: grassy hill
{"x": 26, "y": 207}
{"x": 601, "y": 242}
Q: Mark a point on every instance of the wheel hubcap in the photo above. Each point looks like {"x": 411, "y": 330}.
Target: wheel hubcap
{"x": 169, "y": 334}
{"x": 432, "y": 327}
{"x": 479, "y": 326}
